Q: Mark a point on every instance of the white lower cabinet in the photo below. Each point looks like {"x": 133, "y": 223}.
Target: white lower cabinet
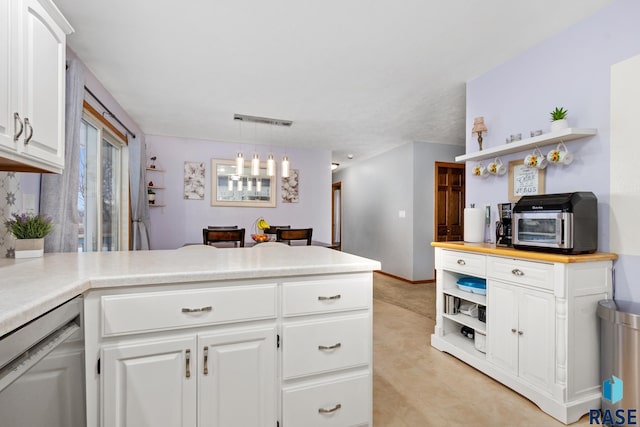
{"x": 521, "y": 338}
{"x": 541, "y": 330}
{"x": 231, "y": 354}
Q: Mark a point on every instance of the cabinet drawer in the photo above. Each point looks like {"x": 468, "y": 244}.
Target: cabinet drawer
{"x": 464, "y": 262}
{"x": 322, "y": 346}
{"x": 323, "y": 296}
{"x": 338, "y": 403}
{"x": 522, "y": 272}
{"x": 149, "y": 311}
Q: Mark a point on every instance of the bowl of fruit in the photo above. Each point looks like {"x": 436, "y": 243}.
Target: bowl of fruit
{"x": 259, "y": 238}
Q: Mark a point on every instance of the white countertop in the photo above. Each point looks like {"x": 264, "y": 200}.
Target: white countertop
{"x": 31, "y": 287}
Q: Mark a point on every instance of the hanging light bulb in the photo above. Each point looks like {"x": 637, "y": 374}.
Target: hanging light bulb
{"x": 230, "y": 183}
{"x": 285, "y": 167}
{"x": 258, "y": 185}
{"x": 249, "y": 184}
{"x": 240, "y": 184}
{"x": 240, "y": 164}
{"x": 271, "y": 165}
{"x": 255, "y": 165}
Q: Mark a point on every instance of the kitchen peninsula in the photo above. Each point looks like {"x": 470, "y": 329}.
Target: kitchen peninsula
{"x": 247, "y": 336}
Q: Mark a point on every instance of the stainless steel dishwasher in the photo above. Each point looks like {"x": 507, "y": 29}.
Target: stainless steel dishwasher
{"x": 42, "y": 370}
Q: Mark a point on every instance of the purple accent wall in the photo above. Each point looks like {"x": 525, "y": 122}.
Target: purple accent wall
{"x": 571, "y": 70}
{"x": 181, "y": 221}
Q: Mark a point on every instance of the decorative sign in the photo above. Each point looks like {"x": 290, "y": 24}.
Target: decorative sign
{"x": 524, "y": 180}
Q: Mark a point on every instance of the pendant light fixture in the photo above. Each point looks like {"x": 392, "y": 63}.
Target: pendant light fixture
{"x": 240, "y": 184}
{"x": 255, "y": 165}
{"x": 230, "y": 183}
{"x": 271, "y": 165}
{"x": 249, "y": 184}
{"x": 240, "y": 164}
{"x": 285, "y": 167}
{"x": 258, "y": 185}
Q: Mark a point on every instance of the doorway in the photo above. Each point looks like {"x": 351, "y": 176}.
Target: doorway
{"x": 336, "y": 215}
{"x": 449, "y": 201}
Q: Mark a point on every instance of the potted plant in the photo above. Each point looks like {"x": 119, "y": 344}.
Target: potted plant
{"x": 151, "y": 195}
{"x": 29, "y": 230}
{"x": 559, "y": 119}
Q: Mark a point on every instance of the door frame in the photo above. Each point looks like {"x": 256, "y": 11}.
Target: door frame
{"x": 336, "y": 186}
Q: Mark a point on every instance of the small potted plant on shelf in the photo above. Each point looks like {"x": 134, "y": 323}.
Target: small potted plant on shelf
{"x": 153, "y": 162}
{"x": 29, "y": 230}
{"x": 151, "y": 195}
{"x": 559, "y": 119}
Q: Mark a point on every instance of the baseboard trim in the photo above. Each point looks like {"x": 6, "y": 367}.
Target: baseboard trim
{"x": 413, "y": 282}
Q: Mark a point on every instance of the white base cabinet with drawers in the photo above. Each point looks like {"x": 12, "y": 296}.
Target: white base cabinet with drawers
{"x": 541, "y": 326}
{"x": 275, "y": 352}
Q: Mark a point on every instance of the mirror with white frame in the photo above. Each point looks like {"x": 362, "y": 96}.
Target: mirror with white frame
{"x": 230, "y": 188}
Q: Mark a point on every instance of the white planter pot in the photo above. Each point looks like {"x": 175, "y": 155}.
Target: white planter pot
{"x": 29, "y": 248}
{"x": 557, "y": 125}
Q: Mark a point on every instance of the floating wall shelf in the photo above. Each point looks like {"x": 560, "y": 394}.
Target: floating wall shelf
{"x": 563, "y": 135}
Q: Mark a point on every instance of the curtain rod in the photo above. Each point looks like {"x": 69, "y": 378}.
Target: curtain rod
{"x": 109, "y": 112}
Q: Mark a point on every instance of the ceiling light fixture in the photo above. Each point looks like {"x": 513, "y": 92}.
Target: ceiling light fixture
{"x": 263, "y": 120}
{"x": 334, "y": 166}
{"x": 285, "y": 167}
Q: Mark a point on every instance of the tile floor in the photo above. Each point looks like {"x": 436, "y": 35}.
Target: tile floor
{"x": 415, "y": 385}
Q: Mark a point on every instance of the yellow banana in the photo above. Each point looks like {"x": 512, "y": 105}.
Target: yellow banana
{"x": 262, "y": 224}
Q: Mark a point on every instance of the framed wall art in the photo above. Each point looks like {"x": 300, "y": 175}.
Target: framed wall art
{"x": 524, "y": 180}
{"x": 194, "y": 180}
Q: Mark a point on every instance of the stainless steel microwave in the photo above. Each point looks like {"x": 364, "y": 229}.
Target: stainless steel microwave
{"x": 564, "y": 223}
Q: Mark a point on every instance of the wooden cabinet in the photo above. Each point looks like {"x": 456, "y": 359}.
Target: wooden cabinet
{"x": 294, "y": 351}
{"x": 541, "y": 330}
{"x": 32, "y": 86}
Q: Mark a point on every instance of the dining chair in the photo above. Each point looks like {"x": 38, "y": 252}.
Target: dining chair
{"x": 236, "y": 236}
{"x": 274, "y": 228}
{"x": 289, "y": 234}
{"x": 222, "y": 227}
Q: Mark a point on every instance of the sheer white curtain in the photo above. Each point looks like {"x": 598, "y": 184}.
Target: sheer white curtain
{"x": 138, "y": 188}
{"x": 59, "y": 193}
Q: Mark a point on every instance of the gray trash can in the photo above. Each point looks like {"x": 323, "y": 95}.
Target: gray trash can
{"x": 620, "y": 353}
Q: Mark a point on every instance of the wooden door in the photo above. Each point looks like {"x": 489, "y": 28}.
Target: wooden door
{"x": 449, "y": 202}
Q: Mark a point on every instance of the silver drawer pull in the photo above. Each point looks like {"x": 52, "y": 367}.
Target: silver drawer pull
{"x": 205, "y": 370}
{"x": 29, "y": 128}
{"x": 328, "y": 411}
{"x": 329, "y": 347}
{"x": 517, "y": 272}
{"x": 329, "y": 298}
{"x": 514, "y": 330}
{"x": 461, "y": 262}
{"x": 197, "y": 310}
{"x": 17, "y": 121}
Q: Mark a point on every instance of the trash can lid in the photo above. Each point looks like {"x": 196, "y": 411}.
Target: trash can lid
{"x": 620, "y": 312}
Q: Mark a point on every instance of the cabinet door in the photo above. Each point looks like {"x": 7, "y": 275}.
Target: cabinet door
{"x": 236, "y": 379}
{"x": 536, "y": 354}
{"x": 43, "y": 88}
{"x": 150, "y": 383}
{"x": 6, "y": 104}
{"x": 502, "y": 327}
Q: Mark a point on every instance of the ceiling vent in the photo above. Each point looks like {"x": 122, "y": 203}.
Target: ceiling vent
{"x": 263, "y": 120}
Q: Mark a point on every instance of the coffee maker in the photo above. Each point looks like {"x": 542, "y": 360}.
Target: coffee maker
{"x": 503, "y": 225}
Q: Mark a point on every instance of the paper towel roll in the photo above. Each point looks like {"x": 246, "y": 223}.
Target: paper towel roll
{"x": 474, "y": 225}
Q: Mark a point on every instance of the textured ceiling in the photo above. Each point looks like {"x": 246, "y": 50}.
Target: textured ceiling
{"x": 354, "y": 76}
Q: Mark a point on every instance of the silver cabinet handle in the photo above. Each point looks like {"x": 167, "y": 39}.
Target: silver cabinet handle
{"x": 329, "y": 298}
{"x": 461, "y": 262}
{"x": 17, "y": 121}
{"x": 330, "y": 347}
{"x": 517, "y": 272}
{"x": 205, "y": 370}
{"x": 187, "y": 363}
{"x": 197, "y": 310}
{"x": 29, "y": 128}
{"x": 520, "y": 332}
{"x": 514, "y": 330}
{"x": 328, "y": 411}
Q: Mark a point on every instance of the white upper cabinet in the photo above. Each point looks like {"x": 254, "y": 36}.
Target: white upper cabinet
{"x": 32, "y": 86}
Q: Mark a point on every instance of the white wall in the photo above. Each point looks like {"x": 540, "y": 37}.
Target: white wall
{"x": 182, "y": 221}
{"x": 375, "y": 190}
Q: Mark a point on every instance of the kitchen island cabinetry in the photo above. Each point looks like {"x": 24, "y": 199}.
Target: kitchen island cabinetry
{"x": 290, "y": 350}
{"x": 32, "y": 86}
{"x": 541, "y": 330}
